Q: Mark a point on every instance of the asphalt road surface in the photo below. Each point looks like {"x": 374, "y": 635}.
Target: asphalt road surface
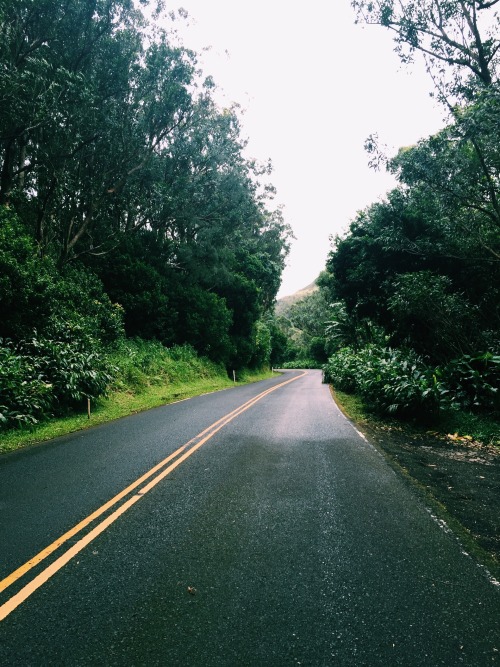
{"x": 253, "y": 526}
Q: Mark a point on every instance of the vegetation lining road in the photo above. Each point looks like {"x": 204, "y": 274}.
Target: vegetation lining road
{"x": 136, "y": 239}
{"x": 120, "y": 403}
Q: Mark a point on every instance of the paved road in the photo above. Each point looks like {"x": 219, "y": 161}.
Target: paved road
{"x": 278, "y": 536}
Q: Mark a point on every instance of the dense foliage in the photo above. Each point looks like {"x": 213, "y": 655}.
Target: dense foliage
{"x": 138, "y": 363}
{"x": 410, "y": 299}
{"x": 416, "y": 280}
{"x": 42, "y": 377}
{"x": 127, "y": 204}
{"x": 302, "y": 323}
{"x": 401, "y": 383}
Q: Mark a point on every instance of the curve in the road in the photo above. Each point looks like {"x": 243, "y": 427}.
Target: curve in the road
{"x": 174, "y": 459}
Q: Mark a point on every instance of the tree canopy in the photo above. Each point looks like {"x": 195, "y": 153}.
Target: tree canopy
{"x": 459, "y": 38}
{"x": 120, "y": 169}
{"x": 413, "y": 287}
{"x": 424, "y": 264}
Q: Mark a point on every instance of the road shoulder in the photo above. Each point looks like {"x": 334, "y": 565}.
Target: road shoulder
{"x": 458, "y": 478}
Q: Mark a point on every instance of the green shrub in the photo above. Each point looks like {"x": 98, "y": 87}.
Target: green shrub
{"x": 301, "y": 363}
{"x": 25, "y": 396}
{"x": 390, "y": 381}
{"x": 398, "y": 382}
{"x": 44, "y": 376}
{"x": 141, "y": 363}
{"x": 73, "y": 369}
{"x": 341, "y": 370}
{"x": 185, "y": 353}
{"x": 474, "y": 381}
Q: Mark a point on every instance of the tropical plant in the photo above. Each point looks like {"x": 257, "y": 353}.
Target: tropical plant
{"x": 474, "y": 381}
{"x": 341, "y": 370}
{"x": 25, "y": 395}
{"x": 398, "y": 382}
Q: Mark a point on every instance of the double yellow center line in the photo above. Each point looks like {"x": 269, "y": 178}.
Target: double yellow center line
{"x": 141, "y": 486}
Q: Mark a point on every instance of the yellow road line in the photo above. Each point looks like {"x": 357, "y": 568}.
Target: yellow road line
{"x": 23, "y": 569}
{"x": 40, "y": 579}
{"x": 49, "y": 571}
{"x": 11, "y": 578}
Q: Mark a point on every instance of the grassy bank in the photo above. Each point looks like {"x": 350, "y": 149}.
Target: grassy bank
{"x": 147, "y": 375}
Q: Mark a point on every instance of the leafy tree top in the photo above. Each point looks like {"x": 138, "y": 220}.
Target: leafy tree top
{"x": 460, "y": 39}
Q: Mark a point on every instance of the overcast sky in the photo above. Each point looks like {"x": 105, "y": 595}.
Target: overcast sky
{"x": 313, "y": 86}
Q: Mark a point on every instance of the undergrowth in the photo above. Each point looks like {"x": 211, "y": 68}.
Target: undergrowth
{"x": 145, "y": 375}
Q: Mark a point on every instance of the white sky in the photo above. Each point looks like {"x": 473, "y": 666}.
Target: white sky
{"x": 313, "y": 86}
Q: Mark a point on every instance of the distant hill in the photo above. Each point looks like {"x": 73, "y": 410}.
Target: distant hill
{"x": 284, "y": 304}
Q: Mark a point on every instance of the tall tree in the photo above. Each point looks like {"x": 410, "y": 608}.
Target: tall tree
{"x": 462, "y": 35}
{"x": 403, "y": 268}
{"x": 86, "y": 108}
{"x": 115, "y": 155}
{"x": 459, "y": 168}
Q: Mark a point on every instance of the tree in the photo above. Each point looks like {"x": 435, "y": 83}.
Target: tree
{"x": 86, "y": 108}
{"x": 310, "y": 314}
{"x": 279, "y": 343}
{"x": 460, "y": 168}
{"x": 119, "y": 163}
{"x": 35, "y": 295}
{"x": 434, "y": 317}
{"x": 396, "y": 260}
{"x": 460, "y": 37}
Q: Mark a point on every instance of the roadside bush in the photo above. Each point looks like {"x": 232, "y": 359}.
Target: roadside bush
{"x": 140, "y": 363}
{"x": 40, "y": 377}
{"x": 25, "y": 396}
{"x": 398, "y": 382}
{"x": 74, "y": 369}
{"x": 390, "y": 381}
{"x": 474, "y": 381}
{"x": 301, "y": 364}
{"x": 341, "y": 370}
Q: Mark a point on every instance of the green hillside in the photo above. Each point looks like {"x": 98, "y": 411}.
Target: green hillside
{"x": 284, "y": 304}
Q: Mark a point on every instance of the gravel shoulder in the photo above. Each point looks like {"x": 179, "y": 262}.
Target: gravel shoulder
{"x": 458, "y": 477}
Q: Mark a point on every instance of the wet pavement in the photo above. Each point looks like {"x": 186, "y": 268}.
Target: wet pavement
{"x": 461, "y": 475}
{"x": 284, "y": 539}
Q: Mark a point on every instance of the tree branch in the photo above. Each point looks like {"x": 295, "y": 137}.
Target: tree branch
{"x": 486, "y": 5}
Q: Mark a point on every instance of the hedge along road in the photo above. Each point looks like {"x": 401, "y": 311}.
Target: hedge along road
{"x": 253, "y": 526}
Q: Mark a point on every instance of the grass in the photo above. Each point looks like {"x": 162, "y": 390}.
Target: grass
{"x": 351, "y": 405}
{"x": 120, "y": 403}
